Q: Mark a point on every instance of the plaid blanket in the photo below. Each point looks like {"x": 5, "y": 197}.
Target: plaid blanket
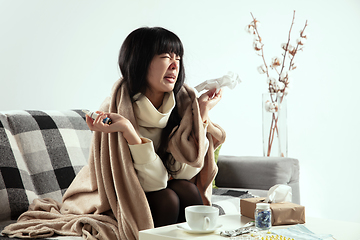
{"x": 40, "y": 154}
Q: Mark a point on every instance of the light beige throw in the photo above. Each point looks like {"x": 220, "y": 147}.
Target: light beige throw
{"x": 105, "y": 200}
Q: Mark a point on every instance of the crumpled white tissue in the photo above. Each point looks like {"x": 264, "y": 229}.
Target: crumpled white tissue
{"x": 279, "y": 193}
{"x": 229, "y": 80}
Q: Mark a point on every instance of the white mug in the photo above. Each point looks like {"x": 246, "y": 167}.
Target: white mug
{"x": 201, "y": 218}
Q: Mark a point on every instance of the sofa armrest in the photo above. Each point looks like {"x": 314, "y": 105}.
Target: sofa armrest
{"x": 258, "y": 173}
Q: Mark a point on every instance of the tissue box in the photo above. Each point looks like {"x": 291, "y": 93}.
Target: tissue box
{"x": 282, "y": 213}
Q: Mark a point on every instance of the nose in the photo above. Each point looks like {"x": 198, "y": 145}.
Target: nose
{"x": 174, "y": 65}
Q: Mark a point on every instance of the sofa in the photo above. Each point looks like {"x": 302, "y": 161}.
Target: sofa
{"x": 42, "y": 151}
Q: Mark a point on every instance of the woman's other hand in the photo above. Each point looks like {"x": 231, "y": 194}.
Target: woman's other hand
{"x": 119, "y": 124}
{"x": 207, "y": 101}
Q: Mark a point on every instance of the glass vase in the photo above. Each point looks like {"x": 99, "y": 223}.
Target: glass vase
{"x": 274, "y": 114}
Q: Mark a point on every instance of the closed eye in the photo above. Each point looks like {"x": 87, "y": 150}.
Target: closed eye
{"x": 165, "y": 55}
{"x": 170, "y": 56}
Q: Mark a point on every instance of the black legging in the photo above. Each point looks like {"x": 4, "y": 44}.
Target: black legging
{"x": 168, "y": 205}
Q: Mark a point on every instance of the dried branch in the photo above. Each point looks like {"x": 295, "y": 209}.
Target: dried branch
{"x": 297, "y": 46}
{"x": 287, "y": 44}
{"x": 262, "y": 45}
{"x": 280, "y": 85}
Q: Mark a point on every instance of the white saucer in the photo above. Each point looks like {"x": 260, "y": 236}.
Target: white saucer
{"x": 185, "y": 227}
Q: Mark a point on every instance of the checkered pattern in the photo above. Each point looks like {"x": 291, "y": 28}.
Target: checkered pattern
{"x": 40, "y": 154}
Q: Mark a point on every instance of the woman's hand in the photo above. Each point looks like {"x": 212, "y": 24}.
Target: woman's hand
{"x": 119, "y": 124}
{"x": 207, "y": 101}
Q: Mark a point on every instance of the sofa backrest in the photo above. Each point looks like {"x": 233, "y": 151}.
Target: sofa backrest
{"x": 40, "y": 154}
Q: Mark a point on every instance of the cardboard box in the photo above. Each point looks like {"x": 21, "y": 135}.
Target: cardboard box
{"x": 281, "y": 213}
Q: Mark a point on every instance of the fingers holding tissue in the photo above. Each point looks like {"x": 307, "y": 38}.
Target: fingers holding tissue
{"x": 229, "y": 80}
{"x": 210, "y": 98}
{"x": 207, "y": 101}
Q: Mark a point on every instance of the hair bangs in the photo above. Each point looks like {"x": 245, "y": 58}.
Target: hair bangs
{"x": 169, "y": 43}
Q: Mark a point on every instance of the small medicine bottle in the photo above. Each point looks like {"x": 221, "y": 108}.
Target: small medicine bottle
{"x": 94, "y": 115}
{"x": 263, "y": 216}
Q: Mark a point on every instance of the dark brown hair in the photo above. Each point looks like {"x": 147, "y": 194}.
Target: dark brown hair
{"x": 136, "y": 54}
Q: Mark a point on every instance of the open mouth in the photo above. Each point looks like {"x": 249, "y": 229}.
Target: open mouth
{"x": 171, "y": 78}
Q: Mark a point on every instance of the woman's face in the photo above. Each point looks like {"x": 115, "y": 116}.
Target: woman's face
{"x": 163, "y": 72}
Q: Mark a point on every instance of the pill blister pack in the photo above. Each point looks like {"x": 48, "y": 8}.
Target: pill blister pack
{"x": 260, "y": 236}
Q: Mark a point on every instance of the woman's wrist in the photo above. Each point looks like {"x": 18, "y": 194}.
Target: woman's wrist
{"x": 131, "y": 135}
{"x": 204, "y": 114}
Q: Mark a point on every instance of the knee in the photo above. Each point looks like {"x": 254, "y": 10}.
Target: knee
{"x": 182, "y": 184}
{"x": 165, "y": 198}
{"x": 164, "y": 206}
{"x": 171, "y": 199}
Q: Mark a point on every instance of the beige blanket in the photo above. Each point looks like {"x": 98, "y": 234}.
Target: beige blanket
{"x": 105, "y": 200}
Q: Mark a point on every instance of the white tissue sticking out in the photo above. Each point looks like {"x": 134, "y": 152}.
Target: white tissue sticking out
{"x": 229, "y": 80}
{"x": 279, "y": 193}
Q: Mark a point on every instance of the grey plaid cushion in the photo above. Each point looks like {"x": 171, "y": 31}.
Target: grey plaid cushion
{"x": 40, "y": 154}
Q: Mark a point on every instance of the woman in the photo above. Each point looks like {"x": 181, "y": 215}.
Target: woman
{"x": 153, "y": 73}
{"x": 156, "y": 158}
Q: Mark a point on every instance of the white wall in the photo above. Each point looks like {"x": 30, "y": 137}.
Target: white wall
{"x": 63, "y": 55}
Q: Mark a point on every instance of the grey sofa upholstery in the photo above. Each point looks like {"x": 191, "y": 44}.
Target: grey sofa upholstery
{"x": 258, "y": 174}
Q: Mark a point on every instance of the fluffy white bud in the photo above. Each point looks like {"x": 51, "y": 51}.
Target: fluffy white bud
{"x": 262, "y": 69}
{"x": 301, "y": 41}
{"x": 257, "y": 46}
{"x": 250, "y": 29}
{"x": 280, "y": 86}
{"x": 271, "y": 106}
{"x": 275, "y": 62}
{"x": 291, "y": 48}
